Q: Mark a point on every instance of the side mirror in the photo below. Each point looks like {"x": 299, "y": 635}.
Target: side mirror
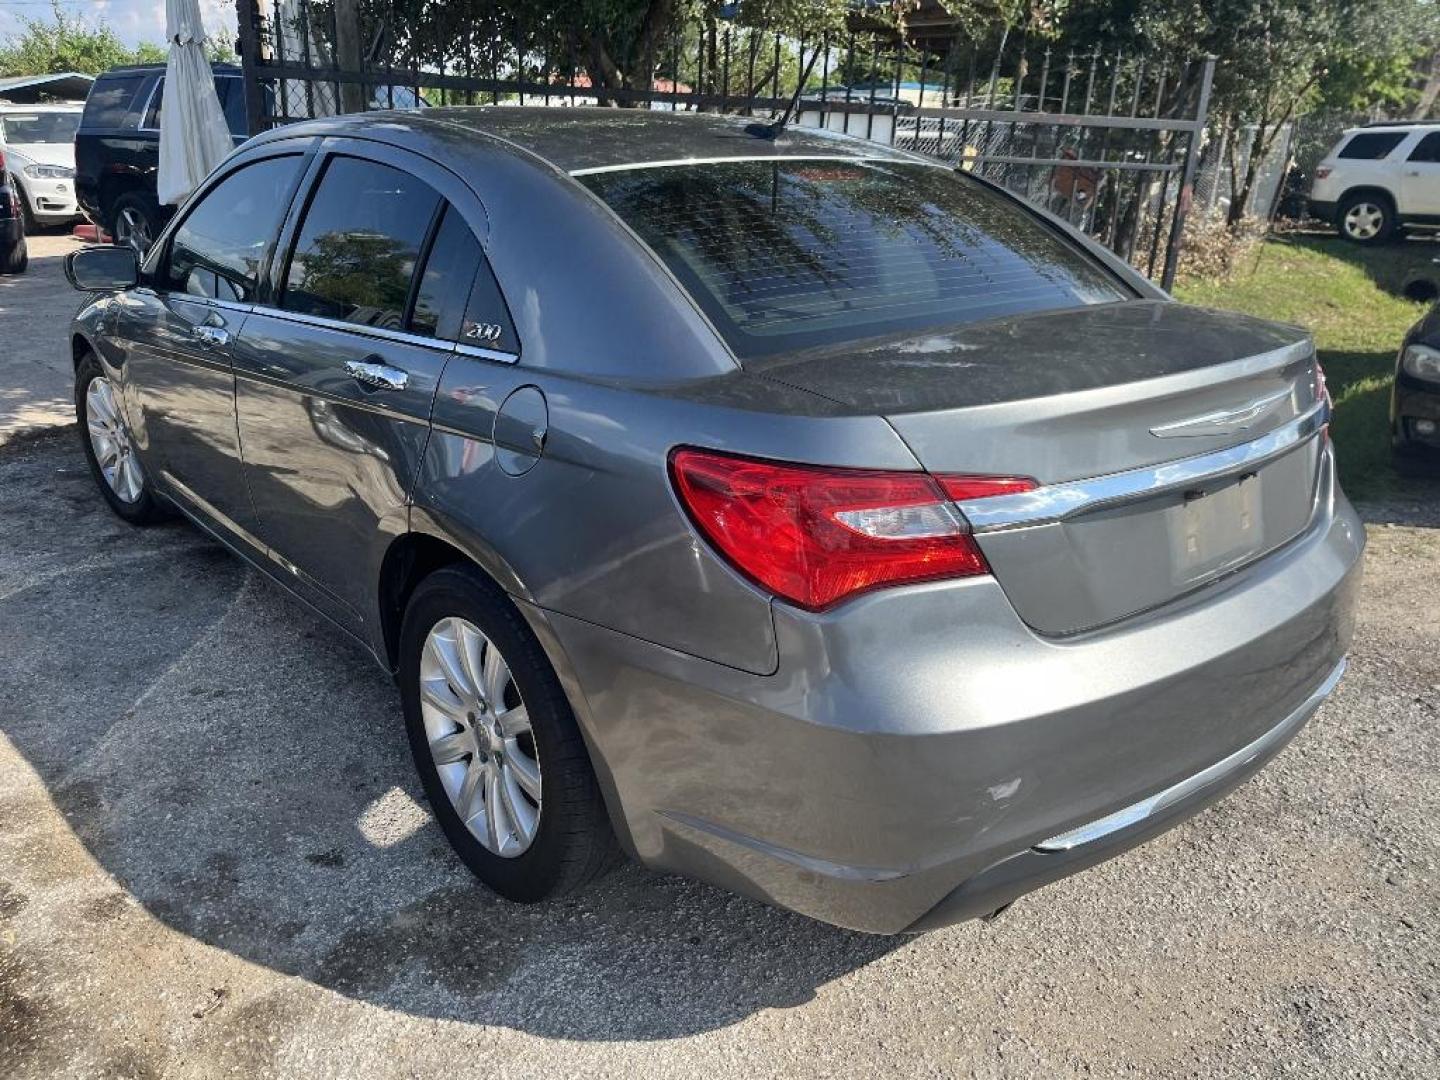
{"x": 102, "y": 269}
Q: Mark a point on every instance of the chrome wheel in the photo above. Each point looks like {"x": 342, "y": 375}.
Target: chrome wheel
{"x": 478, "y": 731}
{"x": 1364, "y": 220}
{"x": 108, "y": 438}
{"x": 132, "y": 230}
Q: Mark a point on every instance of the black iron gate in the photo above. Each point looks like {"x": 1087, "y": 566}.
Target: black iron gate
{"x": 1109, "y": 142}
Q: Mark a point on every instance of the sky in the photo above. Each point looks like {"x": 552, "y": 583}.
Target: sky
{"x": 133, "y": 20}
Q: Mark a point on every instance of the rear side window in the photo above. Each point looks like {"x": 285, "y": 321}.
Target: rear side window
{"x": 1371, "y": 145}
{"x": 227, "y": 89}
{"x": 355, "y": 256}
{"x": 217, "y": 250}
{"x": 109, "y": 100}
{"x": 456, "y": 277}
{"x": 793, "y": 254}
{"x": 1427, "y": 149}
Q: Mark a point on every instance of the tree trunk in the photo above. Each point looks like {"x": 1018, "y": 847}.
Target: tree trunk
{"x": 1240, "y": 200}
{"x": 1431, "y": 90}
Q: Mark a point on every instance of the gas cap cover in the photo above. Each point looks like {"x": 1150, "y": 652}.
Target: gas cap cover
{"x": 521, "y": 426}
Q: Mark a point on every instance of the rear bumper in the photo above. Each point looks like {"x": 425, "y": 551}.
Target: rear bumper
{"x": 900, "y": 768}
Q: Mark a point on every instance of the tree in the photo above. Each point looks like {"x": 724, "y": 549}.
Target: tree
{"x": 66, "y": 43}
{"x": 1274, "y": 55}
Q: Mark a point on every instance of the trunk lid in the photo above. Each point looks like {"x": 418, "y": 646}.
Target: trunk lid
{"x": 1173, "y": 444}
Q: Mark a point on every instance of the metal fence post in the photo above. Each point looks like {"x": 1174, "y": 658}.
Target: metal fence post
{"x": 1187, "y": 177}
{"x": 248, "y": 14}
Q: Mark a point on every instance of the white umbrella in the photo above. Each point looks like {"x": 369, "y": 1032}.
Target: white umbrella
{"x": 193, "y": 135}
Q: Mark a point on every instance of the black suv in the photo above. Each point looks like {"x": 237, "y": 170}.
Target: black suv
{"x": 117, "y": 148}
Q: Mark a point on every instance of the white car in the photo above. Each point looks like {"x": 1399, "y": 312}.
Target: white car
{"x": 38, "y": 142}
{"x": 1380, "y": 178}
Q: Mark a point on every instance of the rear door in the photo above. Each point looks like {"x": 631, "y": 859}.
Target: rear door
{"x": 1420, "y": 182}
{"x": 336, "y": 372}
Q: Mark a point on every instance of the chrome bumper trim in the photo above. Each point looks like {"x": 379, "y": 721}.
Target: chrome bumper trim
{"x": 1055, "y": 502}
{"x": 1191, "y": 785}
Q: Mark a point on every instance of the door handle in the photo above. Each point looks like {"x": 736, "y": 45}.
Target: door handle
{"x": 380, "y": 376}
{"x": 211, "y": 336}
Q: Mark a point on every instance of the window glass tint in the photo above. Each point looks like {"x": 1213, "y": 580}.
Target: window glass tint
{"x": 232, "y": 102}
{"x": 487, "y": 319}
{"x": 445, "y": 283}
{"x": 358, "y": 245}
{"x": 792, "y": 254}
{"x": 1371, "y": 145}
{"x": 216, "y": 252}
{"x": 1427, "y": 149}
{"x": 109, "y": 99}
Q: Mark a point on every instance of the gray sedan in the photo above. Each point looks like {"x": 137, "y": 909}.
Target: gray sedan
{"x": 776, "y": 508}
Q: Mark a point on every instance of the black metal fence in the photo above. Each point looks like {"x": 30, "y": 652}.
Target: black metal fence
{"x": 1107, "y": 141}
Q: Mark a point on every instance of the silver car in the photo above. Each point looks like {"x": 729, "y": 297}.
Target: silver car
{"x": 783, "y": 510}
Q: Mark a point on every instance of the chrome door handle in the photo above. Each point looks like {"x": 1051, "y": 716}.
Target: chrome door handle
{"x": 380, "y": 376}
{"x": 211, "y": 336}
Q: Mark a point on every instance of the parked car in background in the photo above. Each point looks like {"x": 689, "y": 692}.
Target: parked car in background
{"x": 39, "y": 146}
{"x": 1380, "y": 179}
{"x": 801, "y": 514}
{"x": 117, "y": 146}
{"x": 14, "y": 254}
{"x": 1415, "y": 396}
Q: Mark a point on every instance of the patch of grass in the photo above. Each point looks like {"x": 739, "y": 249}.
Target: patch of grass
{"x": 1350, "y": 298}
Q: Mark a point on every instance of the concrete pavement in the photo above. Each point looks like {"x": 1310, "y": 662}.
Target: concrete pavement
{"x": 36, "y": 375}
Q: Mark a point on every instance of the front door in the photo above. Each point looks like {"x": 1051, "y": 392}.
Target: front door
{"x": 179, "y": 381}
{"x": 335, "y": 377}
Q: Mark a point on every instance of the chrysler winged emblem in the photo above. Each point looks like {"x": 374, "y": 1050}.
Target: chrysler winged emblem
{"x": 1223, "y": 422}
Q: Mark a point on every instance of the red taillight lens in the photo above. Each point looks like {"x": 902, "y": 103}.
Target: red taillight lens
{"x": 1322, "y": 171}
{"x": 815, "y": 535}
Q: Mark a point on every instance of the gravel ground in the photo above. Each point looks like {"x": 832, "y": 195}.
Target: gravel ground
{"x": 214, "y": 862}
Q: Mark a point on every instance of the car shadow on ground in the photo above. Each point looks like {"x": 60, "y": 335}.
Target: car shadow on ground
{"x": 241, "y": 771}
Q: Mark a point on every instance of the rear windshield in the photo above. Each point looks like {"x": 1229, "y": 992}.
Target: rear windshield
{"x": 109, "y": 100}
{"x": 798, "y": 253}
{"x": 20, "y": 128}
{"x": 1371, "y": 145}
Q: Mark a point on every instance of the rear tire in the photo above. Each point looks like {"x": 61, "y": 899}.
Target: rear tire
{"x": 16, "y": 259}
{"x": 136, "y": 222}
{"x": 1366, "y": 219}
{"x": 542, "y": 847}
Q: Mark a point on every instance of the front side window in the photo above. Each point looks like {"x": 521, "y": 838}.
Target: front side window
{"x": 795, "y": 254}
{"x": 47, "y": 127}
{"x": 217, "y": 250}
{"x": 1371, "y": 145}
{"x": 355, "y": 256}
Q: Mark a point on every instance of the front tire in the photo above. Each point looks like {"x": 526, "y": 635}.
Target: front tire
{"x": 118, "y": 474}
{"x": 495, "y": 741}
{"x": 1366, "y": 219}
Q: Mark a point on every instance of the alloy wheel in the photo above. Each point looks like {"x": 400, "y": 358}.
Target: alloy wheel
{"x": 479, "y": 735}
{"x": 132, "y": 230}
{"x": 111, "y": 442}
{"x": 1364, "y": 221}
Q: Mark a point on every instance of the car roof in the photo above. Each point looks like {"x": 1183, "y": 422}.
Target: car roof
{"x": 145, "y": 69}
{"x": 589, "y": 138}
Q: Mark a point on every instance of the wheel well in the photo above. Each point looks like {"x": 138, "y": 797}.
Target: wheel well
{"x": 79, "y": 349}
{"x": 1373, "y": 192}
{"x": 410, "y": 559}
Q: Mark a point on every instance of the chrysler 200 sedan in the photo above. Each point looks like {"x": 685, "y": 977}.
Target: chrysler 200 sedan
{"x": 790, "y": 512}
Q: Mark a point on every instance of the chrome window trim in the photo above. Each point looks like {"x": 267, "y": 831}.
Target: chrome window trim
{"x": 1136, "y": 813}
{"x": 670, "y": 163}
{"x": 498, "y": 355}
{"x": 1056, "y": 502}
{"x": 379, "y": 332}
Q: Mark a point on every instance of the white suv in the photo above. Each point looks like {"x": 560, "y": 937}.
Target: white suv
{"x": 38, "y": 142}
{"x": 1379, "y": 178}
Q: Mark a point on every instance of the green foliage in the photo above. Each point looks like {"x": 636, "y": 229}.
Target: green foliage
{"x": 66, "y": 43}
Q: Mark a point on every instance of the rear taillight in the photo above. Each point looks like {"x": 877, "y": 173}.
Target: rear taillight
{"x": 1322, "y": 171}
{"x": 814, "y": 535}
